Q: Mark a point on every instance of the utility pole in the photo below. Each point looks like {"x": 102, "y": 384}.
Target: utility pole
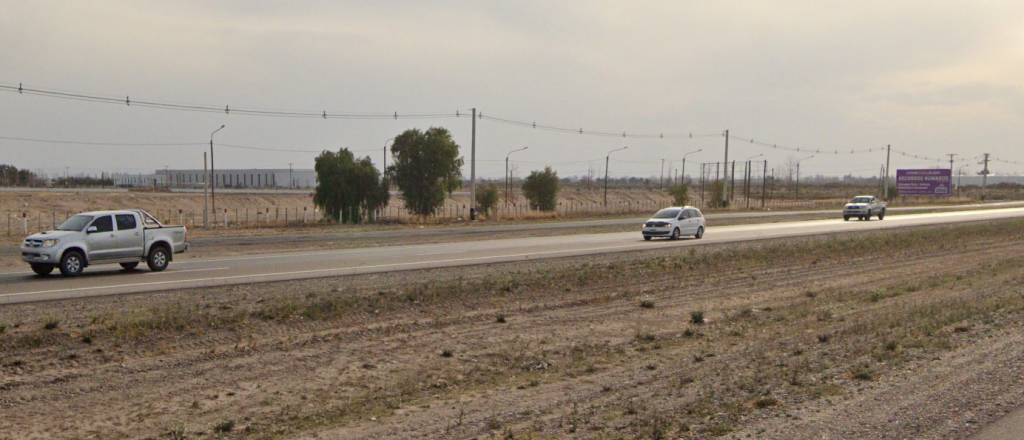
{"x": 291, "y": 182}
{"x": 951, "y": 162}
{"x": 984, "y": 176}
{"x": 885, "y": 182}
{"x": 764, "y": 180}
{"x": 472, "y": 172}
{"x": 213, "y": 180}
{"x": 206, "y": 198}
{"x": 661, "y": 183}
{"x": 725, "y": 164}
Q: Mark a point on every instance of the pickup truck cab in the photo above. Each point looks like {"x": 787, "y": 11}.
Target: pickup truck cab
{"x": 104, "y": 237}
{"x": 863, "y": 207}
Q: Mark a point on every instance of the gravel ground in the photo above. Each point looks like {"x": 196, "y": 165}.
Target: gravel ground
{"x": 915, "y": 335}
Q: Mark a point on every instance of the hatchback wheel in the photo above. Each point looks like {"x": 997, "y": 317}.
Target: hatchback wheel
{"x": 675, "y": 234}
{"x": 700, "y": 232}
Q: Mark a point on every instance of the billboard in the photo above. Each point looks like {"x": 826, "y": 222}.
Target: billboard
{"x": 934, "y": 182}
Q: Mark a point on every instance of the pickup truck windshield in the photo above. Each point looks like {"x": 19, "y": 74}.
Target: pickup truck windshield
{"x": 76, "y": 223}
{"x": 667, "y": 213}
{"x": 861, "y": 200}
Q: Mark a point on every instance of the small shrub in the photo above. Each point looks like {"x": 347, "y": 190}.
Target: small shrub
{"x": 697, "y": 317}
{"x": 890, "y": 345}
{"x": 51, "y": 324}
{"x": 962, "y": 328}
{"x": 765, "y": 402}
{"x": 500, "y": 318}
{"x": 862, "y": 372}
{"x": 645, "y": 336}
{"x": 447, "y": 353}
{"x": 87, "y": 339}
{"x": 3, "y": 329}
{"x": 225, "y": 426}
{"x": 689, "y": 333}
{"x": 698, "y": 358}
{"x": 647, "y": 304}
{"x": 823, "y": 338}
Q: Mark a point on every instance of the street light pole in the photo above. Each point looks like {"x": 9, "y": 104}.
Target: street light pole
{"x": 682, "y": 171}
{"x": 508, "y": 188}
{"x": 213, "y": 181}
{"x": 798, "y": 175}
{"x": 606, "y": 160}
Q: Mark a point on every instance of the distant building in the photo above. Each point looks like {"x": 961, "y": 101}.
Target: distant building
{"x": 249, "y": 178}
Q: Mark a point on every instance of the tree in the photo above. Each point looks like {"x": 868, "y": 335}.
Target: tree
{"x": 487, "y": 197}
{"x": 716, "y": 191}
{"x": 346, "y": 187}
{"x": 680, "y": 194}
{"x": 541, "y": 189}
{"x": 426, "y": 168}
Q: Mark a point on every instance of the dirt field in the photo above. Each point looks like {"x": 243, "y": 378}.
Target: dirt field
{"x": 917, "y": 334}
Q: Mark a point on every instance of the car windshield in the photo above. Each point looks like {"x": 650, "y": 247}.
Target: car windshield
{"x": 76, "y": 223}
{"x": 861, "y": 200}
{"x": 667, "y": 213}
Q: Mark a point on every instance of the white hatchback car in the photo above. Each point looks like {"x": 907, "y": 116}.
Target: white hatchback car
{"x": 675, "y": 221}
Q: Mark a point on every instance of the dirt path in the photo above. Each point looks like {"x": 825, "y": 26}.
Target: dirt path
{"x": 795, "y": 346}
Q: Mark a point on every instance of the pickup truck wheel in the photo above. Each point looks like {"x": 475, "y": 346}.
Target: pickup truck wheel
{"x": 868, "y": 218}
{"x": 881, "y": 215}
{"x": 675, "y": 234}
{"x": 158, "y": 259}
{"x": 647, "y": 237}
{"x": 130, "y": 266}
{"x": 700, "y": 232}
{"x": 846, "y": 218}
{"x": 71, "y": 264}
{"x": 42, "y": 269}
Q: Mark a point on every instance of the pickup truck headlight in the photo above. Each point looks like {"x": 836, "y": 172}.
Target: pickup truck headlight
{"x": 50, "y": 243}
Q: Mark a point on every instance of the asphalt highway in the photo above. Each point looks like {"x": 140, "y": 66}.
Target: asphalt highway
{"x": 22, "y": 286}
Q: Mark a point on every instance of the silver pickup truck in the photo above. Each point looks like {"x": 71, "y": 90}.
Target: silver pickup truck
{"x": 863, "y": 207}
{"x": 104, "y": 237}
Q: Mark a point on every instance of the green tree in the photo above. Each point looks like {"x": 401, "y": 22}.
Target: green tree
{"x": 541, "y": 189}
{"x": 426, "y": 168}
{"x": 487, "y": 197}
{"x": 347, "y": 188}
{"x": 680, "y": 194}
{"x": 716, "y": 190}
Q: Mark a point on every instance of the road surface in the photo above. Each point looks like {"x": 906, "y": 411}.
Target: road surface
{"x": 23, "y": 286}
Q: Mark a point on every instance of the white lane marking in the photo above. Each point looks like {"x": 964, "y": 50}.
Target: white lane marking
{"x": 190, "y": 270}
{"x": 441, "y": 253}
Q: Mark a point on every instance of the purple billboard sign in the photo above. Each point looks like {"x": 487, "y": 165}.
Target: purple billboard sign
{"x": 934, "y": 182}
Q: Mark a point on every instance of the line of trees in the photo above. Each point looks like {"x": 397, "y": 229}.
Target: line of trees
{"x": 10, "y": 175}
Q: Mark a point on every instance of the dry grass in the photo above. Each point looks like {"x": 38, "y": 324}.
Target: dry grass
{"x": 746, "y": 354}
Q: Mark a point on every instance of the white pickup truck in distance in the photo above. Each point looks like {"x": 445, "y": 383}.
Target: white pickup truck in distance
{"x": 104, "y": 237}
{"x": 863, "y": 207}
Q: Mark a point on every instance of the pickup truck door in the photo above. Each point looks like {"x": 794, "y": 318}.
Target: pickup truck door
{"x": 103, "y": 241}
{"x": 130, "y": 240}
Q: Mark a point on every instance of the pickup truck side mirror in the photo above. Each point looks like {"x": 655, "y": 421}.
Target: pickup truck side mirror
{"x": 92, "y": 229}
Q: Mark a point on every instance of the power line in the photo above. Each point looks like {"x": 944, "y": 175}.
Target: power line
{"x": 581, "y": 131}
{"x": 227, "y": 109}
{"x": 110, "y": 144}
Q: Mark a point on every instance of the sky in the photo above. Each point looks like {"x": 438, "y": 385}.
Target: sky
{"x": 928, "y": 78}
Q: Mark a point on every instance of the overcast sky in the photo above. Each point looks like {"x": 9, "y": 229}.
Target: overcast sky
{"x": 927, "y": 77}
